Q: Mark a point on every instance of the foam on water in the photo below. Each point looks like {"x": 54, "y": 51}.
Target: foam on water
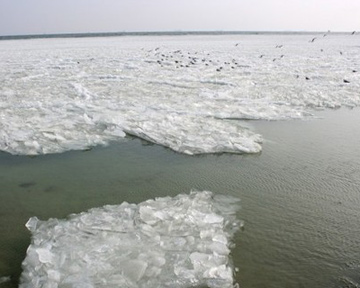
{"x": 186, "y": 93}
{"x": 182, "y": 241}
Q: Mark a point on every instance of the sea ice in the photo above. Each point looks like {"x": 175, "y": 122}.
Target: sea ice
{"x": 174, "y": 242}
{"x": 90, "y": 92}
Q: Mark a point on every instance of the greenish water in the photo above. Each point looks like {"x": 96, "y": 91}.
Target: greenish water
{"x": 300, "y": 197}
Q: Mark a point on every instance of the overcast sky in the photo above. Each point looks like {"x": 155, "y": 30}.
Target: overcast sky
{"x": 75, "y": 16}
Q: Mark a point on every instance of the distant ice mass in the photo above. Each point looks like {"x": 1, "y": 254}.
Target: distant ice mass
{"x": 187, "y": 93}
{"x": 176, "y": 242}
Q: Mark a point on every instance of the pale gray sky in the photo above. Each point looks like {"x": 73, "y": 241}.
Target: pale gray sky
{"x": 76, "y": 16}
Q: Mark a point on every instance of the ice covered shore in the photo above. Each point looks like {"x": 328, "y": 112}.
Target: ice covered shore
{"x": 182, "y": 241}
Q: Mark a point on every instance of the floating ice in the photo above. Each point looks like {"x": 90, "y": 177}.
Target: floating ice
{"x": 189, "y": 94}
{"x": 182, "y": 241}
{"x": 4, "y": 279}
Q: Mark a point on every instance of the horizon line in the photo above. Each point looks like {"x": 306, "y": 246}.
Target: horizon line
{"x": 159, "y": 33}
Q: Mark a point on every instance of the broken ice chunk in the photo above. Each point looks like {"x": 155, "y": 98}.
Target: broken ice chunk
{"x": 220, "y": 272}
{"x": 219, "y": 248}
{"x": 31, "y": 224}
{"x": 54, "y": 275}
{"x": 134, "y": 269}
{"x": 148, "y": 215}
{"x": 220, "y": 238}
{"x": 45, "y": 256}
{"x": 213, "y": 218}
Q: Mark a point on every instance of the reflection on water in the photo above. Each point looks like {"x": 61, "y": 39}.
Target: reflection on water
{"x": 299, "y": 197}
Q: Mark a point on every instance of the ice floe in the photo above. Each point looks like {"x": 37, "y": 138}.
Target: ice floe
{"x": 183, "y": 241}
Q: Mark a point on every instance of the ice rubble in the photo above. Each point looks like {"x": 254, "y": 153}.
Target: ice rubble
{"x": 182, "y": 241}
{"x": 81, "y": 93}
{"x": 191, "y": 134}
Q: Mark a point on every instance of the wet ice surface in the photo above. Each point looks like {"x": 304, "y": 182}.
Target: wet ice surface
{"x": 184, "y": 92}
{"x": 182, "y": 241}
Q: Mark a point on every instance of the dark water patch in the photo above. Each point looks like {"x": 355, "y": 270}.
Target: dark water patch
{"x": 27, "y": 184}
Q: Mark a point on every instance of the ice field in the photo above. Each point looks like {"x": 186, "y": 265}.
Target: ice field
{"x": 187, "y": 93}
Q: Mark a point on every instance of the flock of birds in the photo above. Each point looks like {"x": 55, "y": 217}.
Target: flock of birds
{"x": 185, "y": 60}
{"x": 181, "y": 59}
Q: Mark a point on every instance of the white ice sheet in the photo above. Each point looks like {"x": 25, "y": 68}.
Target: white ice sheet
{"x": 187, "y": 93}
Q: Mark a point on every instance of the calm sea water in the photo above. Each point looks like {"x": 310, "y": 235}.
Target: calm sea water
{"x": 300, "y": 196}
